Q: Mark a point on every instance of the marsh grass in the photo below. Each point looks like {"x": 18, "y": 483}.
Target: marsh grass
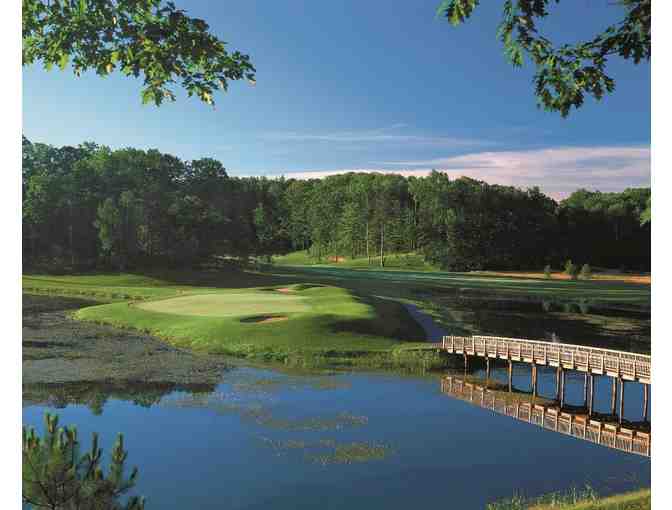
{"x": 585, "y": 498}
{"x": 325, "y": 452}
{"x": 353, "y": 453}
{"x": 558, "y": 499}
{"x": 273, "y": 384}
{"x": 260, "y": 412}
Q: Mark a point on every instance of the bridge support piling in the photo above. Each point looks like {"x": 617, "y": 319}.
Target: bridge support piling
{"x": 557, "y": 383}
{"x": 510, "y": 375}
{"x": 534, "y": 380}
{"x": 562, "y": 388}
{"x": 614, "y": 383}
{"x": 487, "y": 368}
{"x": 585, "y": 390}
{"x": 621, "y": 406}
{"x": 466, "y": 362}
{"x": 592, "y": 395}
{"x": 646, "y": 402}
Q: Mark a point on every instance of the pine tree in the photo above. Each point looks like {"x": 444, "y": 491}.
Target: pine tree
{"x": 57, "y": 477}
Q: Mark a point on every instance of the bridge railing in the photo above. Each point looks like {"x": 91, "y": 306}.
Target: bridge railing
{"x": 588, "y": 359}
{"x": 595, "y": 431}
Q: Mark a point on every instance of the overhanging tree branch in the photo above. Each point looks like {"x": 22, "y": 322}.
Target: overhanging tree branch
{"x": 151, "y": 39}
{"x": 564, "y": 74}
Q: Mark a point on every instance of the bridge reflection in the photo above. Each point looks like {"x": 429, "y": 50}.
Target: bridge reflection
{"x": 548, "y": 414}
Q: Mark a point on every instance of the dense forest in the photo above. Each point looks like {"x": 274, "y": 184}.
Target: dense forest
{"x": 88, "y": 206}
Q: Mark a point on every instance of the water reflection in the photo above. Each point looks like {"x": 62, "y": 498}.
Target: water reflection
{"x": 266, "y": 439}
{"x": 582, "y": 322}
{"x": 575, "y": 421}
{"x": 95, "y": 395}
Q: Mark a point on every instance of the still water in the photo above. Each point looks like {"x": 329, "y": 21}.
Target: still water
{"x": 274, "y": 439}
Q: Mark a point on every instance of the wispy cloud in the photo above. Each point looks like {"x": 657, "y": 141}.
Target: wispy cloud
{"x": 384, "y": 135}
{"x": 558, "y": 171}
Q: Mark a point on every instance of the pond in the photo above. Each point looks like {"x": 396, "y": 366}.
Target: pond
{"x": 272, "y": 438}
{"x": 583, "y": 323}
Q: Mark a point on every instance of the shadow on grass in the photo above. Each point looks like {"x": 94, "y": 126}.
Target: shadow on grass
{"x": 390, "y": 319}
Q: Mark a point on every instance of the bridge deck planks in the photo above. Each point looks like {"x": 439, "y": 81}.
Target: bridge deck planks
{"x": 594, "y": 360}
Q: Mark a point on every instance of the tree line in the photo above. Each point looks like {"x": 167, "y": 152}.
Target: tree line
{"x": 90, "y": 206}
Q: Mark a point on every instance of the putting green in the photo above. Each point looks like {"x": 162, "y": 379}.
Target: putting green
{"x": 229, "y": 304}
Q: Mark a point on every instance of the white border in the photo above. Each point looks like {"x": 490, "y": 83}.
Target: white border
{"x": 10, "y": 254}
{"x": 661, "y": 270}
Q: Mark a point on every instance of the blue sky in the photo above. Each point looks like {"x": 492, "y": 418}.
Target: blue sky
{"x": 369, "y": 85}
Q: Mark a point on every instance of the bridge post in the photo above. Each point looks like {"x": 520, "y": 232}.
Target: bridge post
{"x": 614, "y": 383}
{"x": 622, "y": 406}
{"x": 534, "y": 379}
{"x": 510, "y": 375}
{"x": 487, "y": 368}
{"x": 557, "y": 383}
{"x": 562, "y": 388}
{"x": 646, "y": 402}
{"x": 585, "y": 389}
{"x": 592, "y": 394}
{"x": 466, "y": 362}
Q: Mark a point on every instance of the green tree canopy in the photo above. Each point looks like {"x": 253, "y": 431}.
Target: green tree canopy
{"x": 565, "y": 73}
{"x": 151, "y": 38}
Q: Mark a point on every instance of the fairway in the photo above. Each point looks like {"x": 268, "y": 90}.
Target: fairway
{"x": 298, "y": 321}
{"x": 229, "y": 304}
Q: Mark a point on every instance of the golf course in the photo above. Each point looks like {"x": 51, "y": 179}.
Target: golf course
{"x": 328, "y": 315}
{"x": 270, "y": 322}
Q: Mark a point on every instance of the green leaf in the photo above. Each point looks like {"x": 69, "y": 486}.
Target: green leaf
{"x": 63, "y": 61}
{"x": 147, "y": 96}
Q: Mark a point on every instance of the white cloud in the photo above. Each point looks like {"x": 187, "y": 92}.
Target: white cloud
{"x": 384, "y": 135}
{"x": 558, "y": 171}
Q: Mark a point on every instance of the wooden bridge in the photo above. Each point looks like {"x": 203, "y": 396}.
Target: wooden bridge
{"x": 592, "y": 360}
{"x": 580, "y": 426}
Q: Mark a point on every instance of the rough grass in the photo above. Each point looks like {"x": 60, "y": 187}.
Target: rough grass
{"x": 396, "y": 261}
{"x": 638, "y": 500}
{"x": 644, "y": 279}
{"x": 330, "y": 322}
{"x": 585, "y": 499}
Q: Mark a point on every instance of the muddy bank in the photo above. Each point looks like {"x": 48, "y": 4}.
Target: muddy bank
{"x": 57, "y": 350}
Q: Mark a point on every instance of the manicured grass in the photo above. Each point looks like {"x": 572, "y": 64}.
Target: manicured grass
{"x": 343, "y": 320}
{"x": 240, "y": 303}
{"x": 322, "y": 321}
{"x": 473, "y": 284}
{"x": 394, "y": 282}
{"x": 150, "y": 285}
{"x": 108, "y": 287}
